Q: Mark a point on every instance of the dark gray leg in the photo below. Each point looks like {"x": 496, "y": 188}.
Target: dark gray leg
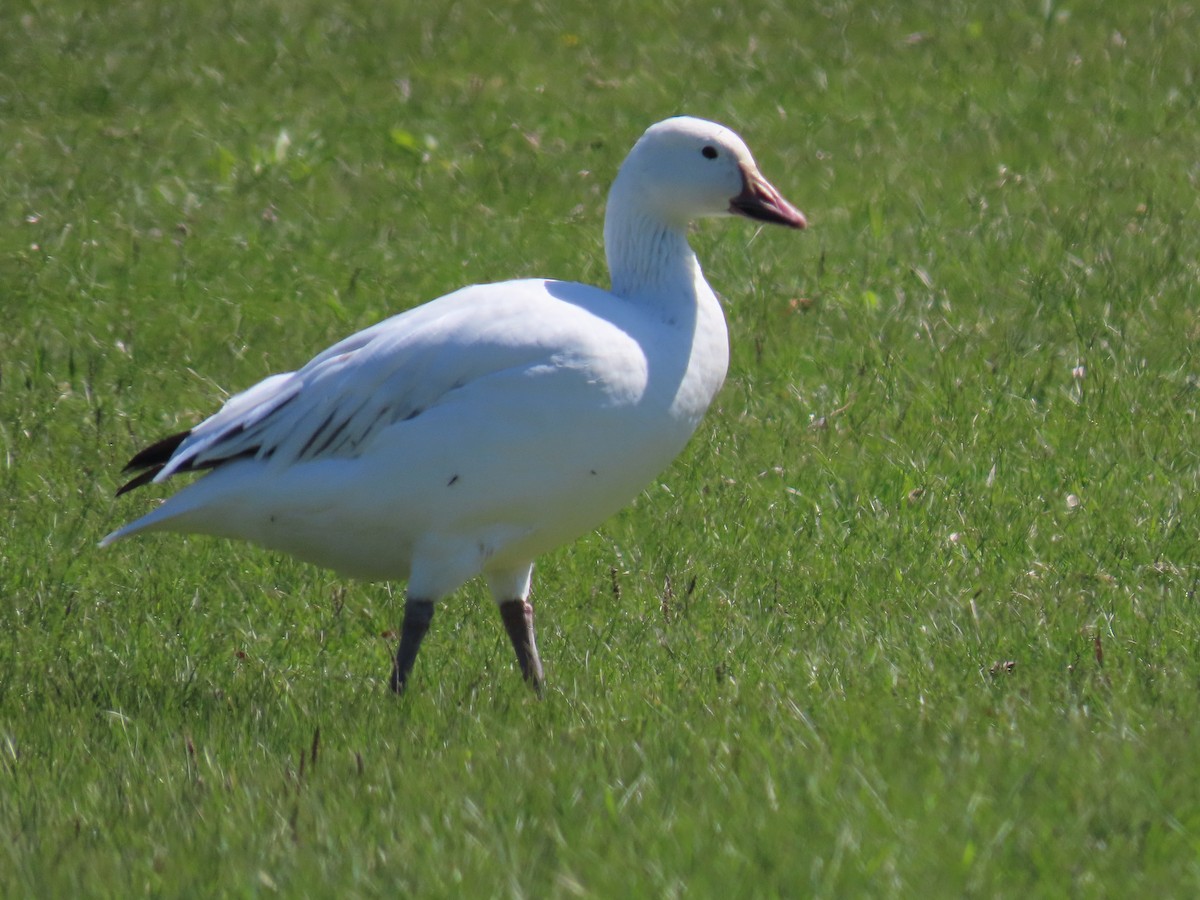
{"x": 518, "y": 620}
{"x": 417, "y": 616}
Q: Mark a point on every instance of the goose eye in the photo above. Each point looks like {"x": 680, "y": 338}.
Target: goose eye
{"x": 709, "y": 151}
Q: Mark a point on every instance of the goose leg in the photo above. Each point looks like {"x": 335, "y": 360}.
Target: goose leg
{"x": 417, "y": 616}
{"x": 518, "y": 620}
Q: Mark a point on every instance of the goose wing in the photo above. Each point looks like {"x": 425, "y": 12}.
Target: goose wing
{"x": 392, "y": 371}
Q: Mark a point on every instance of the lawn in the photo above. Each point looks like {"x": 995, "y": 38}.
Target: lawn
{"x": 914, "y": 614}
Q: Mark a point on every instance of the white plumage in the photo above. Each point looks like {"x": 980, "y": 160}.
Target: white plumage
{"x": 469, "y": 435}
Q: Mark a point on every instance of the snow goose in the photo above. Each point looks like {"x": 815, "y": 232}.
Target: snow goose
{"x": 469, "y": 435}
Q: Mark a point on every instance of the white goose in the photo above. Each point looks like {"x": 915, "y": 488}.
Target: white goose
{"x": 467, "y": 436}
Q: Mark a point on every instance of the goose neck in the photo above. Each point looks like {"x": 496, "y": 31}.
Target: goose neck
{"x": 648, "y": 257}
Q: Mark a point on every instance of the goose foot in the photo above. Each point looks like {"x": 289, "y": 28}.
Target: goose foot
{"x": 417, "y": 616}
{"x": 518, "y": 621}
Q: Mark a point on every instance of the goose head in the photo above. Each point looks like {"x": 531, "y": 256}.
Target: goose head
{"x": 685, "y": 168}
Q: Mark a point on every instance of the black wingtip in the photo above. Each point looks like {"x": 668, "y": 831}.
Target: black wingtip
{"x": 152, "y": 459}
{"x": 156, "y": 455}
{"x": 144, "y": 478}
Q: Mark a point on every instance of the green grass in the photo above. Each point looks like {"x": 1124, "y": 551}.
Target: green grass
{"x": 915, "y": 614}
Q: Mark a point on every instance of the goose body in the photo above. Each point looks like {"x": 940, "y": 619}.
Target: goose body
{"x": 469, "y": 435}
